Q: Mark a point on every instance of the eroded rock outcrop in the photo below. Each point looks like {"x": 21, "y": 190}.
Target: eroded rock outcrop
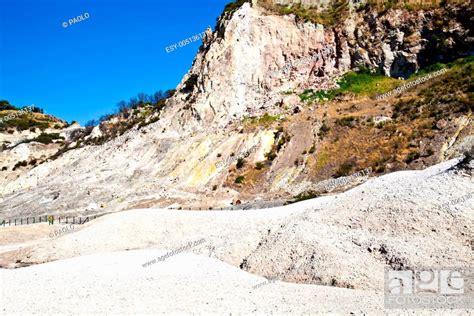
{"x": 255, "y": 56}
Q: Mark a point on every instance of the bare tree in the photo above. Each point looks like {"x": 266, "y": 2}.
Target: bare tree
{"x": 142, "y": 98}
{"x": 91, "y": 123}
{"x": 158, "y": 96}
{"x": 122, "y": 106}
{"x": 133, "y": 103}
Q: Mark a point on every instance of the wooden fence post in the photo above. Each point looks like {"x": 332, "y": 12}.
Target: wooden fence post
{"x": 15, "y": 221}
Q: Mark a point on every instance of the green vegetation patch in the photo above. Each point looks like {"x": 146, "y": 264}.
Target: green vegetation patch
{"x": 239, "y": 179}
{"x": 337, "y": 12}
{"x": 264, "y": 120}
{"x": 360, "y": 83}
{"x": 45, "y": 138}
{"x": 304, "y": 196}
{"x": 454, "y": 94}
{"x": 234, "y": 5}
{"x": 23, "y": 122}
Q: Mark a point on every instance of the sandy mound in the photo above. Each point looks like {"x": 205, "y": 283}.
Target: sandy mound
{"x": 344, "y": 240}
{"x": 117, "y": 283}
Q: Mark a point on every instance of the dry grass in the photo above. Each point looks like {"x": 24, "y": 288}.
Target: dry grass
{"x": 411, "y": 140}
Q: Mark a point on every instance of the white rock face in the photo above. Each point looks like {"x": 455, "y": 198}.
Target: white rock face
{"x": 96, "y": 133}
{"x": 247, "y": 89}
{"x": 381, "y": 119}
{"x": 67, "y": 132}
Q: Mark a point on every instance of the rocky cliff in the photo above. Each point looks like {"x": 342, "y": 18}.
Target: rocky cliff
{"x": 255, "y": 56}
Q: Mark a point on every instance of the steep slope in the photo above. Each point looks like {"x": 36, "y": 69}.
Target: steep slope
{"x": 256, "y": 118}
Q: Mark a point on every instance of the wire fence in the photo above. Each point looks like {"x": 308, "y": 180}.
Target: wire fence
{"x": 82, "y": 220}
{"x": 44, "y": 219}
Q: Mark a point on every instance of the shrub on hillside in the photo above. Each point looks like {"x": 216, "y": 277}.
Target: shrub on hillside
{"x": 45, "y": 138}
{"x": 19, "y": 164}
{"x": 5, "y": 105}
{"x": 344, "y": 169}
{"x": 346, "y": 121}
{"x": 240, "y": 163}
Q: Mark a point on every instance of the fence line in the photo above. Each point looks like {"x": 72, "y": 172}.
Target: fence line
{"x": 41, "y": 219}
{"x": 79, "y": 221}
{"x": 237, "y": 207}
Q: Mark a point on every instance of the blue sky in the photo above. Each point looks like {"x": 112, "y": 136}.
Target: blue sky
{"x": 81, "y": 71}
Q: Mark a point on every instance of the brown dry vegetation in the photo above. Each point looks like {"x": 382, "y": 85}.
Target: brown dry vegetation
{"x": 423, "y": 119}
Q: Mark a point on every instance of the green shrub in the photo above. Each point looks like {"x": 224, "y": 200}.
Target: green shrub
{"x": 323, "y": 131}
{"x": 234, "y": 5}
{"x": 271, "y": 155}
{"x": 337, "y": 12}
{"x": 344, "y": 169}
{"x": 259, "y": 165}
{"x": 5, "y": 105}
{"x": 413, "y": 155}
{"x": 380, "y": 164}
{"x": 304, "y": 196}
{"x": 45, "y": 138}
{"x": 346, "y": 121}
{"x": 266, "y": 119}
{"x": 361, "y": 82}
{"x": 23, "y": 163}
{"x": 24, "y": 122}
{"x": 240, "y": 163}
{"x": 283, "y": 138}
{"x": 239, "y": 179}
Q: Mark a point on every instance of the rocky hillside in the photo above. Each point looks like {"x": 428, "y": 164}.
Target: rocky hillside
{"x": 274, "y": 103}
{"x": 28, "y": 137}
